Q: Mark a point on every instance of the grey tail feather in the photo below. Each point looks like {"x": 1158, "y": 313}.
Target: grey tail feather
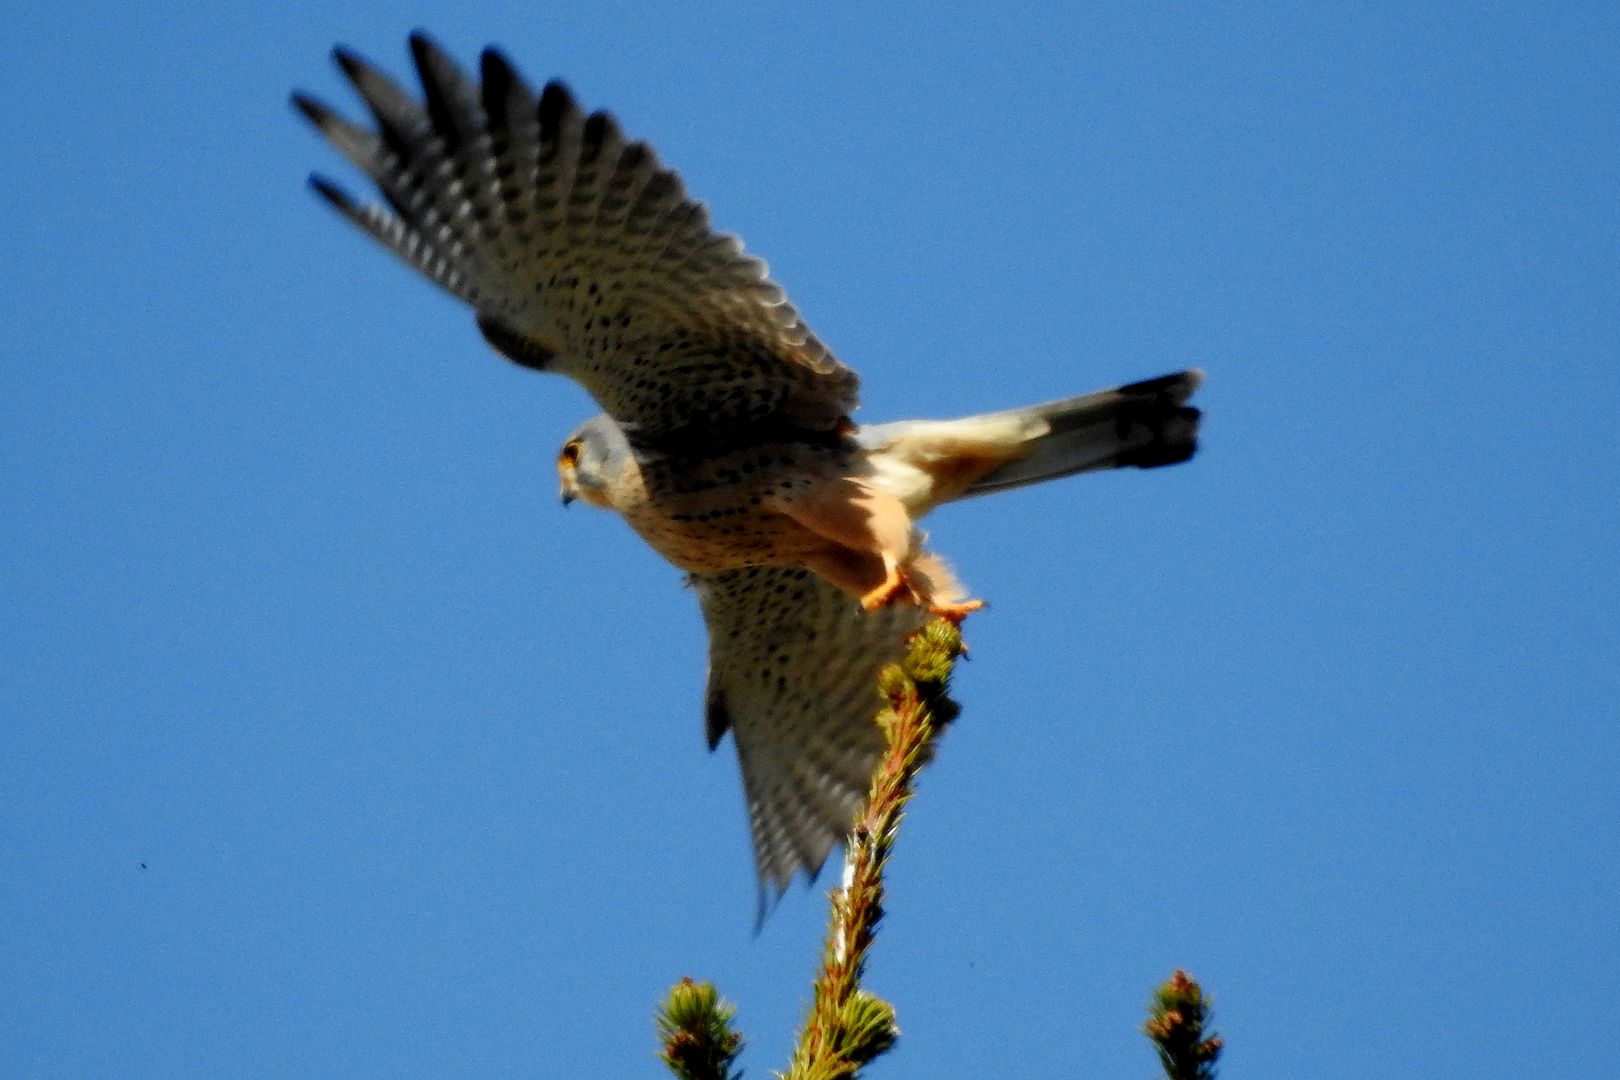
{"x": 1145, "y": 424}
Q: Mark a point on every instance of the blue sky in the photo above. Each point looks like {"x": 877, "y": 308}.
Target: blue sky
{"x": 331, "y": 745}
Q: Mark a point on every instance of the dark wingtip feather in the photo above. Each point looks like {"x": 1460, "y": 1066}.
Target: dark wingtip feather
{"x": 494, "y": 67}
{"x": 502, "y": 88}
{"x": 348, "y": 60}
{"x": 333, "y": 194}
{"x": 450, "y": 99}
{"x": 600, "y": 129}
{"x": 315, "y": 111}
{"x": 425, "y": 53}
{"x": 555, "y": 103}
{"x": 495, "y": 75}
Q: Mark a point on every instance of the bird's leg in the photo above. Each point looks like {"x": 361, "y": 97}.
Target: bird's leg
{"x": 889, "y": 593}
{"x": 868, "y": 534}
{"x": 894, "y": 583}
{"x": 852, "y": 571}
{"x": 936, "y": 588}
{"x": 874, "y": 550}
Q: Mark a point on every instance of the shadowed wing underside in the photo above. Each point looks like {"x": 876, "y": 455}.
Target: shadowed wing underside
{"x": 793, "y": 668}
{"x": 581, "y": 254}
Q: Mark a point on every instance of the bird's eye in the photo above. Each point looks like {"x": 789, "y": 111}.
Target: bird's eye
{"x": 570, "y": 454}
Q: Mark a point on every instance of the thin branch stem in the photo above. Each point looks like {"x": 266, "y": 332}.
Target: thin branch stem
{"x": 847, "y": 1026}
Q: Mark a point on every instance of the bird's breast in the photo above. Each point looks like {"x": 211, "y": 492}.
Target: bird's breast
{"x": 719, "y": 513}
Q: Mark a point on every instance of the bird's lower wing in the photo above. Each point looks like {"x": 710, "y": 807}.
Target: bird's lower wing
{"x": 793, "y": 666}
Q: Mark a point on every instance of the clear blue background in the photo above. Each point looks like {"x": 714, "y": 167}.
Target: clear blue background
{"x": 332, "y": 746}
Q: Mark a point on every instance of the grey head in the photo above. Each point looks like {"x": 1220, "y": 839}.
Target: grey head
{"x": 591, "y": 460}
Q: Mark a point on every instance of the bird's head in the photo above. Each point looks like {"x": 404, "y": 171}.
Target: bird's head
{"x": 592, "y": 458}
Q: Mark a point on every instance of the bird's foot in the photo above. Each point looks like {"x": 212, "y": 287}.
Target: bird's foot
{"x": 954, "y": 613}
{"x": 894, "y": 583}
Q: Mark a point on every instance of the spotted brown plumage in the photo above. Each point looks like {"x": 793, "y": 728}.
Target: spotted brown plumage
{"x": 725, "y": 440}
{"x": 792, "y": 667}
{"x": 580, "y": 253}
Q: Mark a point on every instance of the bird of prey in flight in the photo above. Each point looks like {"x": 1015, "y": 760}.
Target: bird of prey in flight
{"x": 725, "y": 439}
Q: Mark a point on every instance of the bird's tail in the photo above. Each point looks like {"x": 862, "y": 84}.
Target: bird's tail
{"x": 1145, "y": 424}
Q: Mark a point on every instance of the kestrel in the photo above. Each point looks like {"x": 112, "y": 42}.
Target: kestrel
{"x": 726, "y": 440}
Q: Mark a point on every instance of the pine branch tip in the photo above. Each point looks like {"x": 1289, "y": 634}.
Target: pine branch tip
{"x": 869, "y": 1027}
{"x": 933, "y": 651}
{"x": 696, "y": 1038}
{"x": 1177, "y": 1017}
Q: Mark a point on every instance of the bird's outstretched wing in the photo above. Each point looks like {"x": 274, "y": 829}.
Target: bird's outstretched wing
{"x": 793, "y": 666}
{"x": 580, "y": 253}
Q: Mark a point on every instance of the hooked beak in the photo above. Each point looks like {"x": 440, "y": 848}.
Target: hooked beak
{"x": 567, "y": 484}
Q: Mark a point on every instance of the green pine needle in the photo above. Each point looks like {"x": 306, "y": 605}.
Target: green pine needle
{"x": 694, "y": 1028}
{"x": 1177, "y": 1016}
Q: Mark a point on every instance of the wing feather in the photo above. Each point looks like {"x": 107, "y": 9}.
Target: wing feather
{"x": 793, "y": 666}
{"x": 581, "y": 253}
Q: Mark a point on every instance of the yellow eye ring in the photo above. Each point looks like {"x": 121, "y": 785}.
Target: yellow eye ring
{"x": 570, "y": 454}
